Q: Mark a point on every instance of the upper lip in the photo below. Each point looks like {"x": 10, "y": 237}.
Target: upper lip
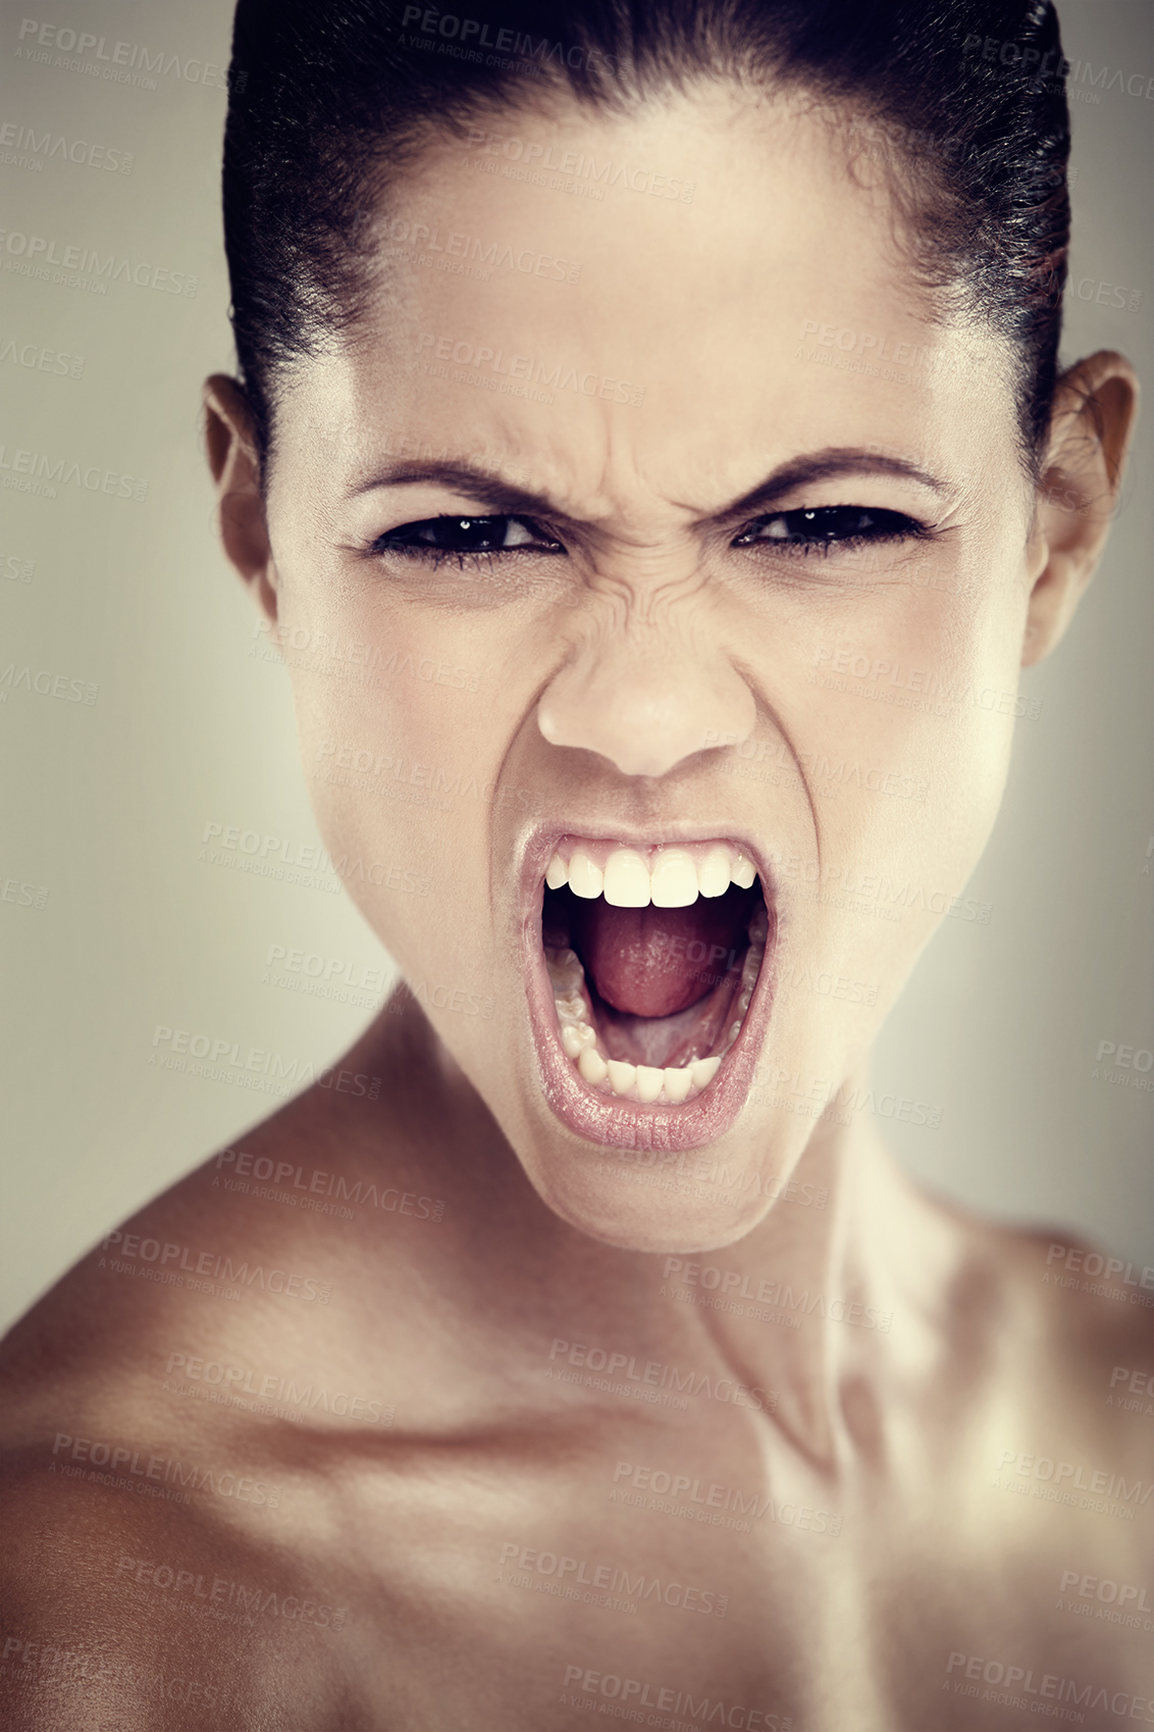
{"x": 631, "y": 836}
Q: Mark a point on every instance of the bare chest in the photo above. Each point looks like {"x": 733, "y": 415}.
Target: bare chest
{"x": 627, "y": 1589}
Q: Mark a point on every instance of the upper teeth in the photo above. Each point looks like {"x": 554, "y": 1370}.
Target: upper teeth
{"x": 671, "y": 877}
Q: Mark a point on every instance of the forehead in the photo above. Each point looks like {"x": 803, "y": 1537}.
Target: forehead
{"x": 700, "y": 288}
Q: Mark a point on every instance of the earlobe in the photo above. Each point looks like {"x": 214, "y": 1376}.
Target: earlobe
{"x": 1094, "y": 409}
{"x": 232, "y": 457}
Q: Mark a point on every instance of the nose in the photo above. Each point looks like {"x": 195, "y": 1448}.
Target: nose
{"x": 646, "y": 701}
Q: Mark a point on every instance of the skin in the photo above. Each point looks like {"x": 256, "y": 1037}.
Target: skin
{"x": 625, "y": 686}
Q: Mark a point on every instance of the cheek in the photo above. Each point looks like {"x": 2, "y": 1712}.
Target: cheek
{"x": 395, "y": 763}
{"x": 900, "y": 717}
{"x": 376, "y": 688}
{"x": 915, "y": 696}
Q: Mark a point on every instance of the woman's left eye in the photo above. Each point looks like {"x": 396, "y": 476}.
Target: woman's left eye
{"x": 827, "y": 527}
{"x": 443, "y": 537}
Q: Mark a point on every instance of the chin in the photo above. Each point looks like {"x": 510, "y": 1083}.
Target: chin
{"x": 624, "y": 1207}
{"x": 656, "y": 1200}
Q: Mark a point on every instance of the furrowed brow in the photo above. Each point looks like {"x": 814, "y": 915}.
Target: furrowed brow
{"x": 489, "y": 489}
{"x": 825, "y": 466}
{"x": 503, "y": 497}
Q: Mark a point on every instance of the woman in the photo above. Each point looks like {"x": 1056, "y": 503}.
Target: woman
{"x": 574, "y": 1348}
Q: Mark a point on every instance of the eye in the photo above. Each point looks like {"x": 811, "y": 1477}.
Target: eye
{"x": 440, "y": 538}
{"x": 828, "y": 527}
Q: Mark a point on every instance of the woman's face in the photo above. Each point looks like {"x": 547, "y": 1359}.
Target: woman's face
{"x": 623, "y": 388}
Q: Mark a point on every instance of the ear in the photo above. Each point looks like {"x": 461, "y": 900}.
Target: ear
{"x": 232, "y": 457}
{"x": 1094, "y": 409}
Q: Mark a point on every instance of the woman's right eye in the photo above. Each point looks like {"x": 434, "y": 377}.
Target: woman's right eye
{"x": 438, "y": 537}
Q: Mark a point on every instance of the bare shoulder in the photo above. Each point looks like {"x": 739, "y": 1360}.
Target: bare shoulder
{"x": 1066, "y": 1335}
{"x": 169, "y": 1409}
{"x": 1093, "y": 1311}
{"x": 141, "y": 1614}
{"x": 191, "y": 1259}
{"x": 253, "y": 1260}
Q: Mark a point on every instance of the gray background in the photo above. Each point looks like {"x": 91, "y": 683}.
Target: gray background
{"x": 104, "y": 807}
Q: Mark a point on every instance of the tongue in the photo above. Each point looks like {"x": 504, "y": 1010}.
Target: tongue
{"x": 657, "y": 961}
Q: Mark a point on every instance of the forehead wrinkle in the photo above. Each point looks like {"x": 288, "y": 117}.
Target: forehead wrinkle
{"x": 793, "y": 127}
{"x": 631, "y": 508}
{"x": 552, "y": 466}
{"x": 614, "y": 498}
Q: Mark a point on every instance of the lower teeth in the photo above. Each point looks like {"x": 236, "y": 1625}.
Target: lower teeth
{"x": 645, "y": 1082}
{"x": 649, "y": 1084}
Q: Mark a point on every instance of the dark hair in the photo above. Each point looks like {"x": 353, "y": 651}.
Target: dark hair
{"x": 329, "y": 99}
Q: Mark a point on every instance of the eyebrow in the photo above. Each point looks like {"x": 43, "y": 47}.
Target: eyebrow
{"x": 824, "y": 466}
{"x": 500, "y": 496}
{"x": 484, "y": 485}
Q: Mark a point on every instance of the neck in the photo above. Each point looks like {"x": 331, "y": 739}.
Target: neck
{"x": 801, "y": 1308}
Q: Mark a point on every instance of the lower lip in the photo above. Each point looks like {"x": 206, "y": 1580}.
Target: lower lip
{"x": 622, "y": 1124}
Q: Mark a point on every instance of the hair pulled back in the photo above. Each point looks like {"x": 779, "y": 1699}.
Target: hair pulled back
{"x": 330, "y": 99}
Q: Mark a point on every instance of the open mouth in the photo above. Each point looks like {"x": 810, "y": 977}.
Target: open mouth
{"x": 653, "y": 956}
